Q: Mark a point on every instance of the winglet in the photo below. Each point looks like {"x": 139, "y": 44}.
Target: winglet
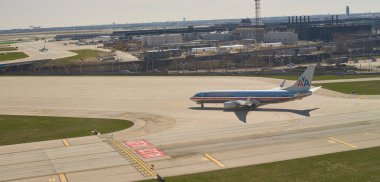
{"x": 281, "y": 86}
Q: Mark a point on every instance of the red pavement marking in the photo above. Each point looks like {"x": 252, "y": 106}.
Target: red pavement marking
{"x": 138, "y": 143}
{"x": 151, "y": 153}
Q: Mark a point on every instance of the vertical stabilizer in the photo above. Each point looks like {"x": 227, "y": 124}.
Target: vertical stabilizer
{"x": 303, "y": 84}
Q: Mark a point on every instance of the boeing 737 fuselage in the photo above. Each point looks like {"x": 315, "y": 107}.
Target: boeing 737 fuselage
{"x": 255, "y": 98}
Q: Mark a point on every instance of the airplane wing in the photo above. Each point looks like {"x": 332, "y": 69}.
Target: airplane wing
{"x": 241, "y": 103}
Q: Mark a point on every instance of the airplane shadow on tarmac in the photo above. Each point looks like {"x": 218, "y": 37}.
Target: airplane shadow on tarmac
{"x": 242, "y": 113}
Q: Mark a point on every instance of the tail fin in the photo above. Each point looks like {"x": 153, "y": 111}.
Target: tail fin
{"x": 303, "y": 83}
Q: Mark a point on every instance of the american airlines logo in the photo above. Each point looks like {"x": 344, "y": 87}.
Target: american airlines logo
{"x": 303, "y": 82}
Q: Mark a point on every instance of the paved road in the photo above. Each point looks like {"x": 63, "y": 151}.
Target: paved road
{"x": 167, "y": 120}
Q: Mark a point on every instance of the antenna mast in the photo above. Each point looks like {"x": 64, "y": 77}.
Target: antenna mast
{"x": 258, "y": 12}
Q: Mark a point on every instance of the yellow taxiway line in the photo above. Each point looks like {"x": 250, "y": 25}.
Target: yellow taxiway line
{"x": 62, "y": 178}
{"x": 211, "y": 158}
{"x": 342, "y": 142}
{"x": 66, "y": 143}
{"x": 139, "y": 164}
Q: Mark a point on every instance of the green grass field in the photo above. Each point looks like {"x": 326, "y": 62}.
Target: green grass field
{"x": 327, "y": 77}
{"x": 8, "y": 49}
{"x": 351, "y": 166}
{"x": 24, "y": 129}
{"x": 361, "y": 88}
{"x": 12, "y": 56}
{"x": 7, "y": 42}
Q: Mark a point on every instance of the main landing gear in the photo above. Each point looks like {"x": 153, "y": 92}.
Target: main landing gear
{"x": 202, "y": 106}
{"x": 253, "y": 107}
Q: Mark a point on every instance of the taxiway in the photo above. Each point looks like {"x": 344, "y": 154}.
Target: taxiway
{"x": 173, "y": 133}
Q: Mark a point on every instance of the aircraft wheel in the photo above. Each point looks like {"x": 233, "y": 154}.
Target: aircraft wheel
{"x": 202, "y": 106}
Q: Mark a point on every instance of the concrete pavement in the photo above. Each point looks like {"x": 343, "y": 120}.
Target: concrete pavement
{"x": 58, "y": 50}
{"x": 173, "y": 133}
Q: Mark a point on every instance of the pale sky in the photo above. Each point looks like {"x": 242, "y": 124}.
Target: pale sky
{"x": 52, "y": 13}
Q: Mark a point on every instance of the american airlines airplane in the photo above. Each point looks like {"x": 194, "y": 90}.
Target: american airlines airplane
{"x": 254, "y": 98}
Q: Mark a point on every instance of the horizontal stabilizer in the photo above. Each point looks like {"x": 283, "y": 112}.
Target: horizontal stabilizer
{"x": 315, "y": 89}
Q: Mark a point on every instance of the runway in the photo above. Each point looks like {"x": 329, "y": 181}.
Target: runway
{"x": 171, "y": 132}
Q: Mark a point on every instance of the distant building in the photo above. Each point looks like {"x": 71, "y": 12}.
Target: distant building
{"x": 347, "y": 11}
{"x": 124, "y": 45}
{"x": 204, "y": 50}
{"x": 328, "y": 33}
{"x": 283, "y": 37}
{"x": 231, "y": 49}
{"x": 161, "y": 40}
{"x": 218, "y": 36}
{"x": 187, "y": 46}
{"x": 162, "y": 54}
{"x": 251, "y": 32}
{"x": 78, "y": 36}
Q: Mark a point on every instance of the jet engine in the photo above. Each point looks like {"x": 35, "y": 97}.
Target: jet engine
{"x": 230, "y": 105}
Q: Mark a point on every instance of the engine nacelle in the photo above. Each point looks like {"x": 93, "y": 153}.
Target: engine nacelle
{"x": 230, "y": 105}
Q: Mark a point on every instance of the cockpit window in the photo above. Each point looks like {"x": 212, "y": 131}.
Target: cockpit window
{"x": 199, "y": 95}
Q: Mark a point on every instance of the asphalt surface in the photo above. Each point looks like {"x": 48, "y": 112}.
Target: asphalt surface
{"x": 188, "y": 139}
